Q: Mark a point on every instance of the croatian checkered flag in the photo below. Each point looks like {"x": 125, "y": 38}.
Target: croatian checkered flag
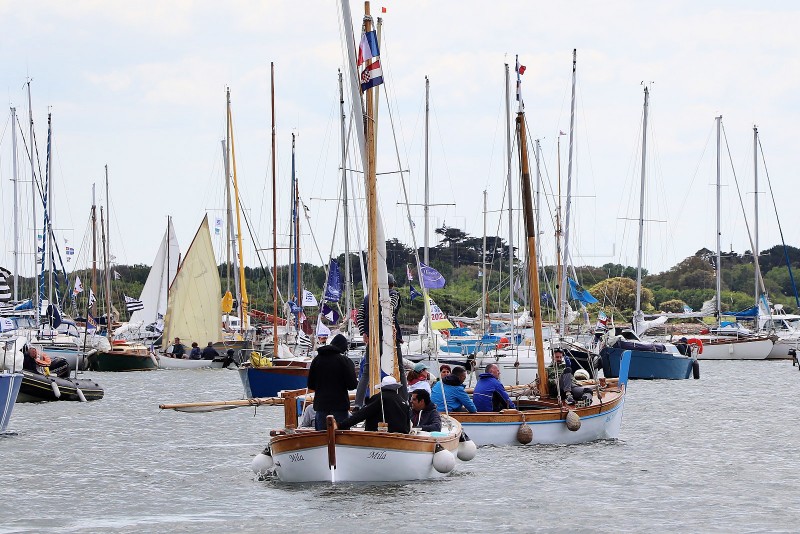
{"x": 133, "y": 304}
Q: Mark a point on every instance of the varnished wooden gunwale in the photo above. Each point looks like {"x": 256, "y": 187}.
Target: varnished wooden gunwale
{"x": 361, "y": 438}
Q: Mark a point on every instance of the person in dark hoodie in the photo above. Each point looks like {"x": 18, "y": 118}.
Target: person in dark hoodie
{"x": 424, "y": 414}
{"x": 489, "y": 394}
{"x": 450, "y": 390}
{"x": 331, "y": 375}
{"x": 389, "y": 407}
{"x": 209, "y": 353}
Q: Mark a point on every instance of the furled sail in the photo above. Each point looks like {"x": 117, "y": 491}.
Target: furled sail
{"x": 193, "y": 311}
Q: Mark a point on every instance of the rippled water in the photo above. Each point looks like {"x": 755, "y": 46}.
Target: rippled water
{"x": 715, "y": 455}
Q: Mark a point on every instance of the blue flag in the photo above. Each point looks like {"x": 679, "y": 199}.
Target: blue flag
{"x": 580, "y": 294}
{"x": 333, "y": 290}
{"x": 330, "y": 314}
{"x": 431, "y": 278}
{"x": 294, "y": 308}
{"x": 414, "y": 292}
{"x": 91, "y": 322}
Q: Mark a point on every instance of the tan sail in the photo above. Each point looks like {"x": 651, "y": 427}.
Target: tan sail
{"x": 193, "y": 308}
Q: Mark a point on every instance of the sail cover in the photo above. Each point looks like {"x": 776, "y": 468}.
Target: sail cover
{"x": 193, "y": 312}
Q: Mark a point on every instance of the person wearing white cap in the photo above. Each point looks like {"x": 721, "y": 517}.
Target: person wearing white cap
{"x": 388, "y": 406}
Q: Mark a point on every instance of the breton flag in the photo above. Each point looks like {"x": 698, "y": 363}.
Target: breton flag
{"x": 368, "y": 48}
{"x": 78, "y": 286}
{"x": 133, "y": 304}
{"x": 5, "y": 290}
{"x": 372, "y": 76}
{"x": 117, "y": 276}
{"x": 409, "y": 274}
{"x": 92, "y": 298}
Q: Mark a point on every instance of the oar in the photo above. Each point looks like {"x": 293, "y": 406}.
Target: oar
{"x": 210, "y": 406}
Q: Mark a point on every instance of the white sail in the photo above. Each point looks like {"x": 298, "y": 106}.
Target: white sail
{"x": 193, "y": 311}
{"x": 156, "y": 287}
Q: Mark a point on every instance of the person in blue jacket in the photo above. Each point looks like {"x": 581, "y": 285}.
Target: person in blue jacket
{"x": 454, "y": 393}
{"x": 489, "y": 394}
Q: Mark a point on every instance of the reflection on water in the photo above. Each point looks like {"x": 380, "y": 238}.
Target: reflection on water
{"x": 713, "y": 455}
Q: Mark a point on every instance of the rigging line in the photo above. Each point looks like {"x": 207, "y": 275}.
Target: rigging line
{"x": 780, "y": 228}
{"x": 746, "y": 224}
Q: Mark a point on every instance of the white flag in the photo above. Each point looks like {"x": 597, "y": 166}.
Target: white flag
{"x": 309, "y": 299}
{"x": 78, "y": 286}
{"x": 92, "y": 298}
{"x": 322, "y": 328}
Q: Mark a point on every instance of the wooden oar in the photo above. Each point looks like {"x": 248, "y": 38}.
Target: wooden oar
{"x": 209, "y": 406}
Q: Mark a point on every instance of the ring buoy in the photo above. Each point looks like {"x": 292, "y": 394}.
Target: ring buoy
{"x": 445, "y": 333}
{"x": 697, "y": 343}
{"x": 502, "y": 344}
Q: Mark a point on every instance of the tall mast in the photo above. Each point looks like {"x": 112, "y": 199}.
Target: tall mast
{"x": 755, "y": 201}
{"x": 33, "y": 197}
{"x": 93, "y": 307}
{"x": 719, "y": 231}
{"x": 533, "y": 264}
{"x": 638, "y": 311}
{"x": 107, "y": 256}
{"x": 274, "y": 221}
{"x": 563, "y": 279}
{"x": 243, "y": 301}
{"x": 345, "y": 201}
{"x": 484, "y": 311}
{"x": 559, "y": 303}
{"x": 298, "y": 283}
{"x": 510, "y": 204}
{"x": 16, "y": 200}
{"x": 427, "y": 184}
{"x": 48, "y": 213}
{"x": 538, "y": 153}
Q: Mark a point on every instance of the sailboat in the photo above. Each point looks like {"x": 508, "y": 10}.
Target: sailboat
{"x": 734, "y": 346}
{"x": 194, "y": 301}
{"x": 146, "y": 324}
{"x": 359, "y": 455}
{"x": 648, "y": 360}
{"x": 550, "y": 420}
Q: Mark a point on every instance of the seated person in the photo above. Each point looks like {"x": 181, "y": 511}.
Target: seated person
{"x": 388, "y": 403}
{"x": 308, "y": 417}
{"x": 195, "y": 353}
{"x": 418, "y": 378}
{"x": 209, "y": 353}
{"x": 568, "y": 387}
{"x": 489, "y": 394}
{"x": 178, "y": 350}
{"x": 424, "y": 414}
{"x": 451, "y": 391}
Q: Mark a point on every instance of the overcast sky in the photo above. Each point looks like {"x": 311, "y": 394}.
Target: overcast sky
{"x": 140, "y": 86}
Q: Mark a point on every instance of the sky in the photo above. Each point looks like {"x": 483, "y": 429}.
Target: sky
{"x": 140, "y": 87}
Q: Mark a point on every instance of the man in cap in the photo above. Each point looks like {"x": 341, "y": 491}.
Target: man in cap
{"x": 418, "y": 378}
{"x": 331, "y": 375}
{"x": 362, "y": 318}
{"x": 388, "y": 406}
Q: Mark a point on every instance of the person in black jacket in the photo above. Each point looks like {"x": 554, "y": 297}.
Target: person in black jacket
{"x": 331, "y": 375}
{"x": 388, "y": 403}
{"x": 424, "y": 414}
{"x": 209, "y": 353}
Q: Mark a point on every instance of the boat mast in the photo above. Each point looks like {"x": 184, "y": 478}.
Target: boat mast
{"x": 298, "y": 282}
{"x": 94, "y": 252}
{"x": 48, "y": 215}
{"x": 16, "y": 200}
{"x": 538, "y": 205}
{"x": 533, "y": 264}
{"x": 345, "y": 203}
{"x": 563, "y": 278}
{"x": 484, "y": 311}
{"x": 510, "y": 202}
{"x": 106, "y": 256}
{"x": 719, "y": 233}
{"x": 637, "y": 314}
{"x": 33, "y": 197}
{"x": 559, "y": 310}
{"x": 228, "y": 212}
{"x": 274, "y": 222}
{"x": 427, "y": 183}
{"x": 243, "y": 300}
{"x": 755, "y": 201}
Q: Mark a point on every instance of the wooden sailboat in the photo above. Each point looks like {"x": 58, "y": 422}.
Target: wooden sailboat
{"x": 359, "y": 455}
{"x": 551, "y": 421}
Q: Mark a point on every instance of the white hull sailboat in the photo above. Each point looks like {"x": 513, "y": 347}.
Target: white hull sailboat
{"x": 358, "y": 455}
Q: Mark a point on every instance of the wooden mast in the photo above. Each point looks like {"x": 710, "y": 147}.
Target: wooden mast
{"x": 274, "y": 223}
{"x": 244, "y": 301}
{"x": 372, "y": 224}
{"x": 533, "y": 264}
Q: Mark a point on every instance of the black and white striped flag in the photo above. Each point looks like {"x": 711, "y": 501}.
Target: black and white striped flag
{"x": 92, "y": 298}
{"x": 5, "y": 291}
{"x": 133, "y": 304}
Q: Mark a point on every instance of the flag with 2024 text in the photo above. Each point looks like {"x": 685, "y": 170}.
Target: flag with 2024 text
{"x": 439, "y": 320}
